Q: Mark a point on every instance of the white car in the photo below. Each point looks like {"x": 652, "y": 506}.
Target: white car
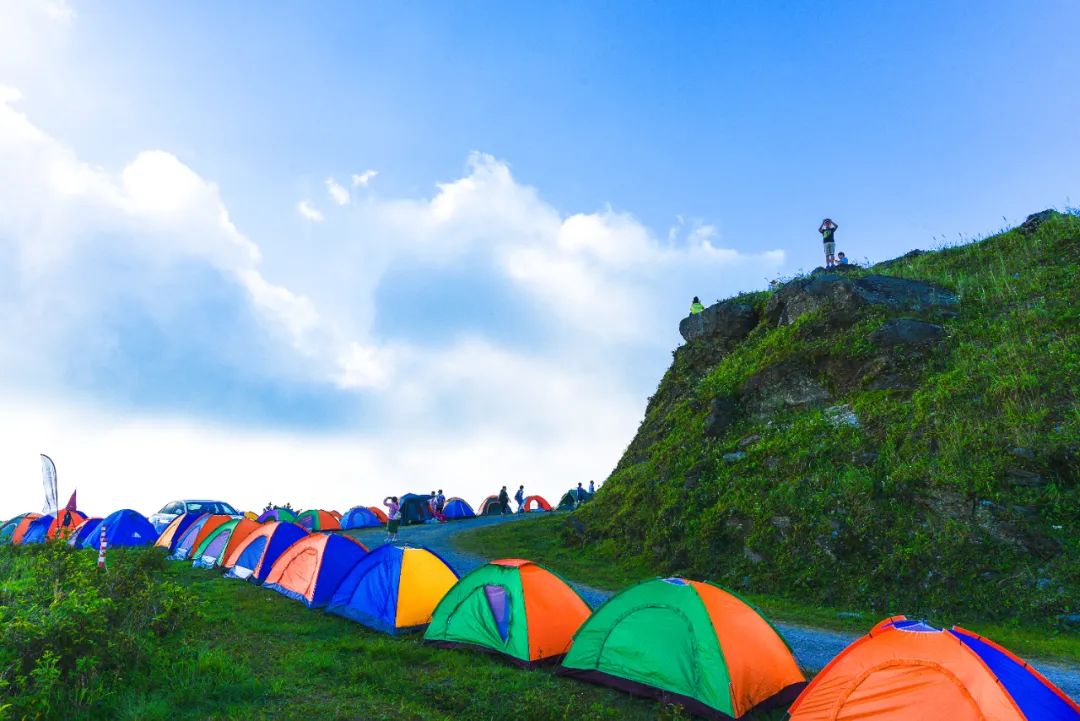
{"x": 171, "y": 510}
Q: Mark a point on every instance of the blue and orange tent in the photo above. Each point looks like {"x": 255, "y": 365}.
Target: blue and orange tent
{"x": 86, "y": 533}
{"x": 173, "y": 532}
{"x": 457, "y": 509}
{"x": 14, "y": 530}
{"x": 393, "y": 589}
{"x": 255, "y": 556}
{"x": 196, "y": 533}
{"x": 910, "y": 670}
{"x": 311, "y": 569}
{"x": 128, "y": 528}
{"x": 53, "y": 525}
{"x": 360, "y": 517}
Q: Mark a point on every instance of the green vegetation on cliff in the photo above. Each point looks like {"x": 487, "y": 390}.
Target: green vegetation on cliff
{"x": 905, "y": 437}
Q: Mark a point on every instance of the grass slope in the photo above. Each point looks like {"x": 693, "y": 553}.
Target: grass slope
{"x": 602, "y": 566}
{"x": 957, "y": 498}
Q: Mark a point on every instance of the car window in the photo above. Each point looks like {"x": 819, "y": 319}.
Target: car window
{"x": 196, "y": 507}
{"x": 168, "y": 508}
{"x": 227, "y": 509}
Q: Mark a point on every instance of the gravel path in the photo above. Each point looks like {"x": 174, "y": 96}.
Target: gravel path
{"x": 813, "y": 647}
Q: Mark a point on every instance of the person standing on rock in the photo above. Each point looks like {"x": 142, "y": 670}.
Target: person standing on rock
{"x": 828, "y": 237}
{"x": 504, "y": 501}
{"x": 696, "y": 306}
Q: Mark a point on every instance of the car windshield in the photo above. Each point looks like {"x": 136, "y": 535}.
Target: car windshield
{"x": 211, "y": 507}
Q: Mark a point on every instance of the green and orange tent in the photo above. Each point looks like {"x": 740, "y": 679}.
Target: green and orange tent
{"x": 688, "y": 643}
{"x": 318, "y": 520}
{"x": 511, "y": 607}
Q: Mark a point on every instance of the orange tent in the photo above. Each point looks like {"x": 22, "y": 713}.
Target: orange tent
{"x": 311, "y": 569}
{"x": 379, "y": 513}
{"x": 24, "y": 524}
{"x": 536, "y": 503}
{"x": 909, "y": 670}
{"x": 336, "y": 514}
{"x": 317, "y": 520}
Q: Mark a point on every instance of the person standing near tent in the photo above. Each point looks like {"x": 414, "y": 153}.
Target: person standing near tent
{"x": 393, "y": 517}
{"x": 520, "y": 498}
{"x": 579, "y": 495}
{"x": 504, "y": 501}
{"x": 828, "y": 237}
{"x": 696, "y": 306}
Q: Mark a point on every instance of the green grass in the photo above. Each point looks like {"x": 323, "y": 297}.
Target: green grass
{"x": 602, "y": 566}
{"x": 933, "y": 522}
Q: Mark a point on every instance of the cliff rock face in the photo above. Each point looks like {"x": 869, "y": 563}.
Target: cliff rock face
{"x": 911, "y": 424}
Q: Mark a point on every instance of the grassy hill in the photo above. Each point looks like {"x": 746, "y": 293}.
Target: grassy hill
{"x": 855, "y": 438}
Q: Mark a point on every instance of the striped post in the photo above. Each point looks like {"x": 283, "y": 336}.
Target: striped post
{"x": 102, "y": 545}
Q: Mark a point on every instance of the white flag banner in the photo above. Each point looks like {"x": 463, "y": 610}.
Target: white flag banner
{"x": 48, "y": 477}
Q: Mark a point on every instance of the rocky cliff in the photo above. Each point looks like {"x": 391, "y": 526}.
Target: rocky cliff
{"x": 905, "y": 437}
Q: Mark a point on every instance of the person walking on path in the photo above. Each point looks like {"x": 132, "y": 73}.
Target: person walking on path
{"x": 696, "y": 306}
{"x": 520, "y": 498}
{"x": 828, "y": 237}
{"x": 504, "y": 501}
{"x": 393, "y": 517}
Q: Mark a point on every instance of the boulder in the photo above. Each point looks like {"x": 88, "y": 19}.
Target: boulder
{"x": 845, "y": 297}
{"x": 1033, "y": 221}
{"x": 907, "y": 332}
{"x": 906, "y": 256}
{"x": 728, "y": 322}
{"x": 724, "y": 412}
{"x": 782, "y": 386}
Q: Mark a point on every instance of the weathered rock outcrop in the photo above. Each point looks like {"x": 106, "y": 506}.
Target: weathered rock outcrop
{"x": 784, "y": 386}
{"x": 846, "y": 297}
{"x": 907, "y": 332}
{"x": 727, "y": 322}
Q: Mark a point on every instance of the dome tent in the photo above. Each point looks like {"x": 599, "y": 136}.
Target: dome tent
{"x": 277, "y": 514}
{"x": 688, "y": 643}
{"x": 909, "y": 670}
{"x": 511, "y": 607}
{"x": 196, "y": 533}
{"x": 207, "y": 553}
{"x": 535, "y": 503}
{"x": 254, "y": 557}
{"x": 490, "y": 506}
{"x": 86, "y": 534}
{"x": 18, "y": 526}
{"x": 360, "y": 517}
{"x": 415, "y": 508}
{"x": 51, "y": 526}
{"x": 317, "y": 520}
{"x": 457, "y": 509}
{"x": 173, "y": 532}
{"x": 128, "y": 528}
{"x": 311, "y": 569}
{"x": 393, "y": 588}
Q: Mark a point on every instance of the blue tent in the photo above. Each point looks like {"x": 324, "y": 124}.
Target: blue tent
{"x": 38, "y": 529}
{"x": 360, "y": 517}
{"x": 393, "y": 588}
{"x": 311, "y": 569}
{"x": 262, "y": 548}
{"x": 458, "y": 508}
{"x": 87, "y": 535}
{"x": 129, "y": 528}
{"x": 415, "y": 509}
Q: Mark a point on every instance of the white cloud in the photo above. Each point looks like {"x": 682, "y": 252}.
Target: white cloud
{"x": 361, "y": 180}
{"x": 306, "y": 209}
{"x": 338, "y": 193}
{"x": 467, "y": 412}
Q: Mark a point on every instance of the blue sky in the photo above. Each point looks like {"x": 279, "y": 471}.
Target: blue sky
{"x": 552, "y": 183}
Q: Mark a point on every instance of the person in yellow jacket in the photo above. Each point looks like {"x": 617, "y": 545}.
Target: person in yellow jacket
{"x": 696, "y": 306}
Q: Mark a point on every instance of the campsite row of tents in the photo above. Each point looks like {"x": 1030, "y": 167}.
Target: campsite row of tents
{"x": 672, "y": 639}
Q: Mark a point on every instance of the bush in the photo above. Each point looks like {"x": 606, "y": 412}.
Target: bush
{"x": 70, "y": 633}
